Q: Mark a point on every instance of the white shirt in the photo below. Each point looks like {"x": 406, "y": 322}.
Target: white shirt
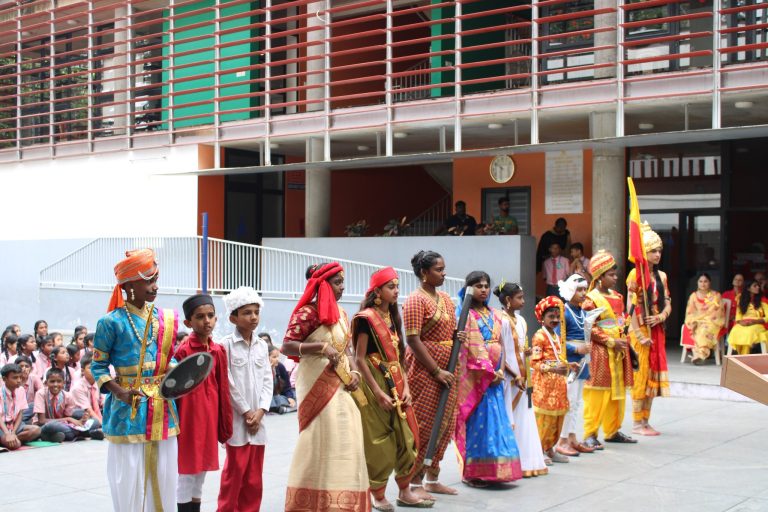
{"x": 250, "y": 384}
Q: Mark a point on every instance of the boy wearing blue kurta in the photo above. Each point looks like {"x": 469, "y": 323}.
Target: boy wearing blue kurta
{"x": 142, "y": 466}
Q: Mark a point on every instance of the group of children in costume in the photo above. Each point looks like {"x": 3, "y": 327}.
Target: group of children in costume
{"x": 162, "y": 449}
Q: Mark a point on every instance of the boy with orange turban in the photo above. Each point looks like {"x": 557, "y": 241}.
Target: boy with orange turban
{"x": 137, "y": 339}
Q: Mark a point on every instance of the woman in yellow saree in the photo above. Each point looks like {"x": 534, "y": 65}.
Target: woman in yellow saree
{"x": 704, "y": 319}
{"x": 328, "y": 470}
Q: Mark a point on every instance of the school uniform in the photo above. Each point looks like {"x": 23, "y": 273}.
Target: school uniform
{"x": 87, "y": 396}
{"x": 58, "y": 406}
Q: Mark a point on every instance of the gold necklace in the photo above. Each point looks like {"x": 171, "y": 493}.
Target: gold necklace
{"x": 152, "y": 328}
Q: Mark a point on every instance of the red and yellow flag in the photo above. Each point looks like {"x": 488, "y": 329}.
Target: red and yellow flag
{"x": 636, "y": 247}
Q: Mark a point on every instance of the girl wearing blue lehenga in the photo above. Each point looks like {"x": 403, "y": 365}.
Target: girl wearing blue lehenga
{"x": 484, "y": 437}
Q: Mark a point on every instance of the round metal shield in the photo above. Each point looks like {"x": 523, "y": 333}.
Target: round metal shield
{"x": 187, "y": 375}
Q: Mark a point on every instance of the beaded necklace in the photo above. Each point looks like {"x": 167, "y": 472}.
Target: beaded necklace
{"x": 579, "y": 319}
{"x": 152, "y": 330}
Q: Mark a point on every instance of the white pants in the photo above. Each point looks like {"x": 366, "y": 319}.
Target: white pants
{"x": 125, "y": 472}
{"x": 575, "y": 392}
{"x": 190, "y": 486}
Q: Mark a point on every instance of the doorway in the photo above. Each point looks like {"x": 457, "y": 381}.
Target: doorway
{"x": 692, "y": 245}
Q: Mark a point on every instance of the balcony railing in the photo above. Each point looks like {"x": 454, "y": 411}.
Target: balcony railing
{"x": 104, "y": 69}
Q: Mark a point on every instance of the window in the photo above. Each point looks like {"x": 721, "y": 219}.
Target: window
{"x": 519, "y": 205}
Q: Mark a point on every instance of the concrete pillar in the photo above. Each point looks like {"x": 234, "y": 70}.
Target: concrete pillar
{"x": 317, "y": 193}
{"x": 120, "y": 60}
{"x": 605, "y": 38}
{"x": 609, "y": 223}
{"x": 315, "y": 24}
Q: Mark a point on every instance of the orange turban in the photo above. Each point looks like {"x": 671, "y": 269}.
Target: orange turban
{"x": 545, "y": 304}
{"x": 600, "y": 263}
{"x": 138, "y": 264}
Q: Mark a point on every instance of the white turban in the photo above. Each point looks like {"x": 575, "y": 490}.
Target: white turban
{"x": 569, "y": 286}
{"x": 241, "y": 297}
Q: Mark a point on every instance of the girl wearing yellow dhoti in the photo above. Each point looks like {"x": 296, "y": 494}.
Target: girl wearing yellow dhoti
{"x": 647, "y": 335}
{"x": 328, "y": 470}
{"x": 751, "y": 315}
{"x": 390, "y": 429}
{"x": 704, "y": 319}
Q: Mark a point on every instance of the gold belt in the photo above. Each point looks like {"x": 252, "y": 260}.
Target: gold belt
{"x": 445, "y": 343}
{"x": 150, "y": 386}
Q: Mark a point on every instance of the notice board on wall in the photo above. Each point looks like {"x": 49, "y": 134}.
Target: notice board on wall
{"x": 564, "y": 182}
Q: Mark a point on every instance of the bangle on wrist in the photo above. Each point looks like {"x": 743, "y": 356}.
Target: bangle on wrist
{"x": 436, "y": 371}
{"x": 300, "y": 344}
{"x": 325, "y": 346}
{"x": 357, "y": 372}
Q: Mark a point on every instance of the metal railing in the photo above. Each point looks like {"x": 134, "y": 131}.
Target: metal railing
{"x": 230, "y": 264}
{"x": 430, "y": 220}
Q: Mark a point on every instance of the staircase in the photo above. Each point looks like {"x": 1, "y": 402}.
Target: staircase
{"x": 431, "y": 219}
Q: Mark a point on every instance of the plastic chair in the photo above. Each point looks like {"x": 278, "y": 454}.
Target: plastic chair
{"x": 720, "y": 339}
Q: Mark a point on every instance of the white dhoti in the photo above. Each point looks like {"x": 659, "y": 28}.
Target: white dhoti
{"x": 129, "y": 468}
{"x": 575, "y": 392}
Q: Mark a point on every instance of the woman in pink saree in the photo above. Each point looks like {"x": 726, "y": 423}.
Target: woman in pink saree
{"x": 484, "y": 437}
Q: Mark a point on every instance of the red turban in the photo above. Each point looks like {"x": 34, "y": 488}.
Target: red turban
{"x": 318, "y": 284}
{"x": 138, "y": 264}
{"x": 380, "y": 278}
{"x": 546, "y": 303}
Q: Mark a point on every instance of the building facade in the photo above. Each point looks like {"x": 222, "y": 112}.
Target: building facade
{"x": 300, "y": 118}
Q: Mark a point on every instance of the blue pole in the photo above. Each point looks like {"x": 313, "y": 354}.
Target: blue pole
{"x": 204, "y": 253}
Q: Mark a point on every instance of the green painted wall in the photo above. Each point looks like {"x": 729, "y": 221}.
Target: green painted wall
{"x": 467, "y": 42}
{"x": 203, "y": 50}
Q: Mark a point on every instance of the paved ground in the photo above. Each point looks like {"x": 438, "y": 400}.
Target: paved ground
{"x": 711, "y": 457}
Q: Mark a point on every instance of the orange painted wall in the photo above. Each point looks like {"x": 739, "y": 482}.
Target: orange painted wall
{"x": 378, "y": 195}
{"x": 294, "y": 204}
{"x": 471, "y": 175}
{"x": 210, "y": 194}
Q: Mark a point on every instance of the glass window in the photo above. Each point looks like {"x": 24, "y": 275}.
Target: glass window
{"x": 519, "y": 206}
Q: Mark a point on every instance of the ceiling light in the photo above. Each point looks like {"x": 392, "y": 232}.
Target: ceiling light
{"x": 399, "y": 135}
{"x": 362, "y": 148}
{"x": 25, "y": 33}
{"x": 743, "y": 104}
{"x": 274, "y": 145}
{"x": 71, "y": 23}
{"x": 495, "y": 126}
{"x": 645, "y": 126}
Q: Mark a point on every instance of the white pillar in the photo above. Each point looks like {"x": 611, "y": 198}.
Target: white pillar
{"x": 605, "y": 38}
{"x": 317, "y": 193}
{"x": 315, "y": 48}
{"x": 118, "y": 64}
{"x": 608, "y": 191}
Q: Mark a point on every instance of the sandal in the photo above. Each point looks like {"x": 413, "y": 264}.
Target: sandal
{"x": 477, "y": 484}
{"x": 566, "y": 450}
{"x": 416, "y": 504}
{"x": 446, "y": 490}
{"x": 384, "y": 508}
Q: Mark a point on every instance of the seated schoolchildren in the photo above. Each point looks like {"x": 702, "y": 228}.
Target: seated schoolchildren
{"x": 55, "y": 409}
{"x": 31, "y": 384}
{"x": 283, "y": 394}
{"x": 13, "y": 431}
{"x": 85, "y": 392}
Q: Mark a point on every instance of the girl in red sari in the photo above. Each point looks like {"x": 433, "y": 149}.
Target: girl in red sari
{"x": 329, "y": 419}
{"x": 647, "y": 335}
